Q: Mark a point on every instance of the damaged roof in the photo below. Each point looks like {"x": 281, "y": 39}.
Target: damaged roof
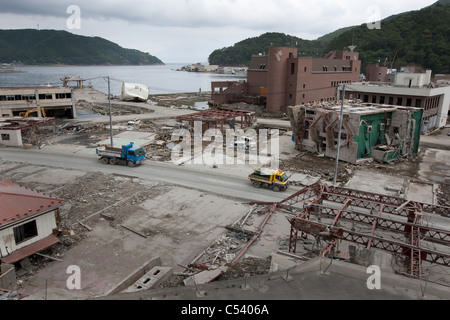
{"x": 18, "y": 202}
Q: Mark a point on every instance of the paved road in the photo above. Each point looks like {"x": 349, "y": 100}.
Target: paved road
{"x": 194, "y": 177}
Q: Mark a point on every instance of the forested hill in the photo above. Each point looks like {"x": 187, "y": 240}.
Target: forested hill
{"x": 241, "y": 53}
{"x": 420, "y": 38}
{"x": 40, "y": 47}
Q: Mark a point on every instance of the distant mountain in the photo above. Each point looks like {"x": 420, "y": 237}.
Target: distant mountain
{"x": 38, "y": 47}
{"x": 241, "y": 53}
{"x": 420, "y": 38}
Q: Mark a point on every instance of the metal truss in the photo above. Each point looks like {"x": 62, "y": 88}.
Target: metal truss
{"x": 375, "y": 212}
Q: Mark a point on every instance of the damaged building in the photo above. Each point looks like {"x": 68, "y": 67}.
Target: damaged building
{"x": 282, "y": 78}
{"x": 382, "y": 133}
{"x": 37, "y": 101}
{"x": 28, "y": 219}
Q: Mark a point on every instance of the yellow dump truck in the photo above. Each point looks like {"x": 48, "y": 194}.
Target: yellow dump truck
{"x": 277, "y": 180}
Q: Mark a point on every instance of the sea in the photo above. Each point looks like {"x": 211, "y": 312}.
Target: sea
{"x": 161, "y": 79}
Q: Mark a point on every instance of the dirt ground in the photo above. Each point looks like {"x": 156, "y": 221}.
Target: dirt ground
{"x": 129, "y": 201}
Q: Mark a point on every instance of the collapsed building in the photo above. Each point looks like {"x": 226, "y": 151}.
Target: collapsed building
{"x": 382, "y": 133}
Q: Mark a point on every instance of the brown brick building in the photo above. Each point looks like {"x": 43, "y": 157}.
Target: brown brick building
{"x": 285, "y": 80}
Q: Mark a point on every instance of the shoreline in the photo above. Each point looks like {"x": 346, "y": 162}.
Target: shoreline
{"x": 12, "y": 71}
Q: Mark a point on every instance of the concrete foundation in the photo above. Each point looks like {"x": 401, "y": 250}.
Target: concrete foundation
{"x": 151, "y": 279}
{"x": 134, "y": 276}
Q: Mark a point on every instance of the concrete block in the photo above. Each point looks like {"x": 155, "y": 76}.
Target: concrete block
{"x": 134, "y": 276}
{"x": 151, "y": 279}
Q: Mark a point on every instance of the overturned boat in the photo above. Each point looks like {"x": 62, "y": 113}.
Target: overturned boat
{"x": 134, "y": 91}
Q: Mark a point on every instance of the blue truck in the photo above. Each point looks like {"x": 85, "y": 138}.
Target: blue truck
{"x": 129, "y": 155}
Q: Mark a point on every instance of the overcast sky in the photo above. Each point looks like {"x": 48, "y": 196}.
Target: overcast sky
{"x": 187, "y": 31}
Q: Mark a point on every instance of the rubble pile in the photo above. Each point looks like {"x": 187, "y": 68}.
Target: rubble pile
{"x": 97, "y": 191}
{"x": 117, "y": 108}
{"x": 248, "y": 267}
{"x": 37, "y": 138}
{"x": 180, "y": 100}
{"x": 318, "y": 166}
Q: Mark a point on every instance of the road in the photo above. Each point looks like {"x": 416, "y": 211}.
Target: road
{"x": 194, "y": 177}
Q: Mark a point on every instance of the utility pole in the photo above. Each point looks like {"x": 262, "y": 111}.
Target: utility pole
{"x": 339, "y": 137}
{"x": 110, "y": 113}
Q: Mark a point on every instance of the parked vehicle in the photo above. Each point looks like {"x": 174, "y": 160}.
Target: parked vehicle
{"x": 129, "y": 155}
{"x": 277, "y": 180}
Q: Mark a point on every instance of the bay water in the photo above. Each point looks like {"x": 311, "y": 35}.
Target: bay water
{"x": 162, "y": 79}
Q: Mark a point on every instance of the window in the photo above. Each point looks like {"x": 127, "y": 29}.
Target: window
{"x": 25, "y": 232}
{"x": 409, "y": 102}
{"x": 374, "y": 99}
{"x": 399, "y": 101}
{"x": 292, "y": 68}
{"x": 382, "y": 99}
{"x": 5, "y": 137}
{"x": 418, "y": 103}
{"x": 391, "y": 100}
{"x": 306, "y": 69}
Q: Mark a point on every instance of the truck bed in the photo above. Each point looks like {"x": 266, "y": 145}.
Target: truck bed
{"x": 108, "y": 151}
{"x": 259, "y": 177}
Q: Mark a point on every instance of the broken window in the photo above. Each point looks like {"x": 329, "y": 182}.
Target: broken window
{"x": 25, "y": 231}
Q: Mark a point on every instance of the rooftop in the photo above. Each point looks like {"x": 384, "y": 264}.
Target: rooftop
{"x": 18, "y": 202}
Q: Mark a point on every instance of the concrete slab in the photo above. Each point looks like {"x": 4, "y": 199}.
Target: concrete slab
{"x": 435, "y": 166}
{"x": 421, "y": 192}
{"x": 204, "y": 276}
{"x": 375, "y": 182}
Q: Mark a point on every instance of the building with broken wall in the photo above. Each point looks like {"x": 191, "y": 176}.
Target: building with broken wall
{"x": 368, "y": 131}
{"x": 56, "y": 101}
{"x": 28, "y": 219}
{"x": 282, "y": 78}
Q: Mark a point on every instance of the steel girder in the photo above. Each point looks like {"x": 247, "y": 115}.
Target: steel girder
{"x": 409, "y": 224}
{"x": 402, "y": 248}
{"x": 370, "y": 200}
{"x": 381, "y": 222}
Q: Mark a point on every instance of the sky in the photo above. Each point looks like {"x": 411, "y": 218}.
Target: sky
{"x": 187, "y": 31}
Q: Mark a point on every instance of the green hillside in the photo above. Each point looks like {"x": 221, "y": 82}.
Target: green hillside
{"x": 38, "y": 47}
{"x": 241, "y": 53}
{"x": 420, "y": 38}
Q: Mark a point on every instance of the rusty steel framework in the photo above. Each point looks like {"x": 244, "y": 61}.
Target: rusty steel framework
{"x": 375, "y": 212}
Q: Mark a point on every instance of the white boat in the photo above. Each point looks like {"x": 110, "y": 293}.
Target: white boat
{"x": 134, "y": 91}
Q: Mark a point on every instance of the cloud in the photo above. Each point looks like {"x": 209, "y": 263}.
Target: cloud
{"x": 184, "y": 29}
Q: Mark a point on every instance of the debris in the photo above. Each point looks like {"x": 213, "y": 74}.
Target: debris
{"x": 49, "y": 257}
{"x": 132, "y": 230}
{"x": 84, "y": 225}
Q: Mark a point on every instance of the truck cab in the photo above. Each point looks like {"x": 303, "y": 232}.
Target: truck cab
{"x": 135, "y": 154}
